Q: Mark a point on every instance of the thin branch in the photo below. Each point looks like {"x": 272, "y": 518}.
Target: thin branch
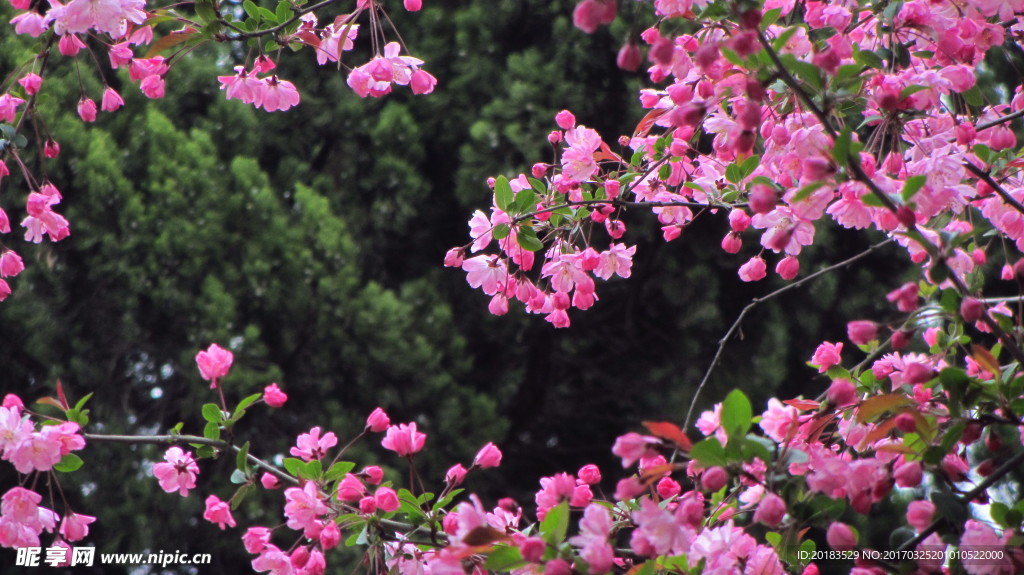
{"x": 1002, "y": 120}
{"x": 1000, "y": 190}
{"x": 181, "y": 439}
{"x": 753, "y": 303}
{"x": 1010, "y": 465}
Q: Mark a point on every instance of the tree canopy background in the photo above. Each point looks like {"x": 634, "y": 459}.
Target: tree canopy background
{"x": 310, "y": 243}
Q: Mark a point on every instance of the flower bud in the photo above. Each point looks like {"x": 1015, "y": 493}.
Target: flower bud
{"x": 488, "y": 456}
{"x": 909, "y": 474}
{"x": 714, "y": 479}
{"x": 589, "y": 474}
{"x": 378, "y": 420}
{"x": 841, "y": 393}
{"x": 861, "y": 332}
{"x": 840, "y": 536}
{"x": 915, "y": 373}
{"x": 532, "y": 549}
{"x": 771, "y": 510}
{"x": 629, "y": 57}
{"x": 971, "y": 309}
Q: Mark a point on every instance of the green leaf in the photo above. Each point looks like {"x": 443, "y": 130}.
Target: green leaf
{"x": 69, "y": 463}
{"x": 444, "y": 501}
{"x": 267, "y": 16}
{"x": 312, "y": 470}
{"x": 500, "y": 231}
{"x": 293, "y": 465}
{"x": 983, "y": 152}
{"x": 736, "y": 414}
{"x": 245, "y": 403}
{"x": 205, "y": 11}
{"x": 503, "y": 195}
{"x": 212, "y": 431}
{"x": 538, "y": 186}
{"x": 912, "y": 186}
{"x": 527, "y": 239}
{"x": 240, "y": 495}
{"x": 911, "y": 90}
{"x": 749, "y": 165}
{"x": 242, "y": 459}
{"x": 868, "y": 58}
{"x": 284, "y": 11}
{"x": 556, "y": 524}
{"x": 338, "y": 470}
{"x": 770, "y": 17}
{"x": 504, "y": 558}
{"x": 238, "y": 477}
{"x": 781, "y": 39}
{"x": 526, "y": 201}
{"x": 709, "y": 453}
{"x": 841, "y": 149}
{"x": 974, "y": 96}
{"x": 212, "y": 413}
{"x": 251, "y": 9}
{"x": 81, "y": 402}
{"x": 733, "y": 174}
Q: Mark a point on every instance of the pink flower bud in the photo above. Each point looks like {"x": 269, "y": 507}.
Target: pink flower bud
{"x": 538, "y": 170}
{"x": 714, "y": 479}
{"x": 554, "y": 137}
{"x": 754, "y": 270}
{"x": 273, "y": 395}
{"x": 330, "y": 536}
{"x": 488, "y": 456}
{"x": 557, "y": 567}
{"x": 10, "y": 264}
{"x": 906, "y": 423}
{"x": 616, "y": 229}
{"x": 972, "y": 433}
{"x": 269, "y": 481}
{"x": 422, "y": 82}
{"x": 453, "y": 259}
{"x": 565, "y": 120}
{"x": 589, "y": 474}
{"x": 373, "y": 474}
{"x": 256, "y": 539}
{"x": 413, "y": 5}
{"x": 51, "y": 149}
{"x": 498, "y": 305}
{"x": 919, "y": 514}
{"x": 763, "y": 198}
{"x": 732, "y": 243}
{"x": 908, "y": 475}
{"x": 900, "y": 339}
{"x": 916, "y": 372}
{"x": 629, "y": 57}
{"x": 628, "y": 488}
{"x": 906, "y": 216}
{"x": 31, "y": 82}
{"x": 87, "y": 110}
{"x": 5, "y": 290}
{"x": 367, "y": 505}
{"x": 581, "y": 496}
{"x": 350, "y": 489}
{"x": 861, "y": 332}
{"x": 111, "y": 100}
{"x": 971, "y": 309}
{"x": 788, "y": 267}
{"x": 771, "y": 510}
{"x": 300, "y": 557}
{"x": 986, "y": 468}
{"x": 738, "y": 220}
{"x": 455, "y": 475}
{"x": 840, "y": 536}
{"x": 387, "y": 500}
{"x": 11, "y": 400}
{"x": 532, "y": 549}
{"x": 378, "y": 421}
{"x": 668, "y": 488}
{"x": 841, "y": 393}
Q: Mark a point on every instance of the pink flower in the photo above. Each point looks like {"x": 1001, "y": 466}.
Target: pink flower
{"x": 87, "y": 110}
{"x": 714, "y": 479}
{"x": 455, "y": 475}
{"x": 403, "y": 439}
{"x": 310, "y": 446}
{"x": 841, "y": 393}
{"x": 273, "y": 395}
{"x": 488, "y": 456}
{"x": 378, "y": 421}
{"x": 632, "y": 446}
{"x": 827, "y": 355}
{"x": 330, "y": 536}
{"x": 256, "y": 539}
{"x": 51, "y": 149}
{"x": 487, "y": 272}
{"x": 780, "y": 421}
{"x": 413, "y": 5}
{"x": 153, "y": 87}
{"x": 5, "y": 290}
{"x": 374, "y": 475}
{"x": 273, "y": 560}
{"x": 218, "y": 512}
{"x": 589, "y": 474}
{"x": 37, "y": 452}
{"x": 422, "y": 82}
{"x": 978, "y": 536}
{"x": 269, "y": 481}
{"x": 279, "y": 95}
{"x": 909, "y": 474}
{"x": 593, "y": 539}
{"x": 9, "y": 107}
{"x": 178, "y": 473}
{"x": 111, "y": 100}
{"x": 214, "y": 363}
{"x": 303, "y": 507}
{"x": 788, "y": 267}
{"x": 754, "y": 270}
{"x": 31, "y": 82}
{"x": 387, "y": 499}
{"x": 75, "y": 527}
{"x": 10, "y": 264}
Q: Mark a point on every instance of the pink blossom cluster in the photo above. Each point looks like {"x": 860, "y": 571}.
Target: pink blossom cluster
{"x": 22, "y": 518}
{"x": 269, "y": 92}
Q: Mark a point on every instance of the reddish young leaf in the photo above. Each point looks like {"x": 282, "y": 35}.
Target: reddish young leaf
{"x": 802, "y": 404}
{"x": 671, "y": 432}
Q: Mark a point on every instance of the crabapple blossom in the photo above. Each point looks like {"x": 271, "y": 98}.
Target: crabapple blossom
{"x": 273, "y": 395}
{"x": 404, "y": 439}
{"x": 177, "y": 472}
{"x": 218, "y": 512}
{"x": 310, "y": 446}
{"x": 214, "y": 363}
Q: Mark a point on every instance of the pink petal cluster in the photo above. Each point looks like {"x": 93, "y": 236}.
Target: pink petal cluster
{"x": 177, "y": 472}
{"x": 403, "y": 439}
{"x": 214, "y": 363}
